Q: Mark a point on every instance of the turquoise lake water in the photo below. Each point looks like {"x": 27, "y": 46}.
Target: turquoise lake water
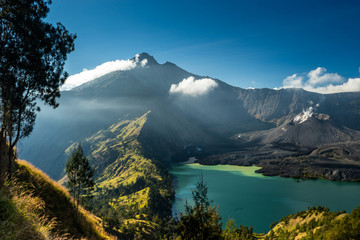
{"x": 257, "y": 201}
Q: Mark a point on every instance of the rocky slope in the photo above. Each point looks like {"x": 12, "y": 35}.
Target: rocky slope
{"x": 306, "y": 129}
{"x": 310, "y": 145}
{"x": 278, "y": 106}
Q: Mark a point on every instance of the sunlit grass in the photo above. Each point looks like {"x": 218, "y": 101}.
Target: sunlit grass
{"x": 33, "y": 206}
{"x": 23, "y": 215}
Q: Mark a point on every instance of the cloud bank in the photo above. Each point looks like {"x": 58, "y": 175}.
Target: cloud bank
{"x": 192, "y": 87}
{"x": 319, "y": 81}
{"x": 101, "y": 70}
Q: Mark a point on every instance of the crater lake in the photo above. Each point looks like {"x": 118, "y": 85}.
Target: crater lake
{"x": 255, "y": 200}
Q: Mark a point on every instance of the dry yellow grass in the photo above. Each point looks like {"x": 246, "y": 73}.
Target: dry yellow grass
{"x": 291, "y": 225}
{"x": 307, "y": 224}
{"x": 57, "y": 203}
{"x": 23, "y": 215}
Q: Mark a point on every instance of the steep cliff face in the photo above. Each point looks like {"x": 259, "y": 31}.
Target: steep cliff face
{"x": 276, "y": 105}
{"x": 282, "y": 105}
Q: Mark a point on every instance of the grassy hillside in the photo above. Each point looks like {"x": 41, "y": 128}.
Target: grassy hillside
{"x": 318, "y": 223}
{"x": 133, "y": 193}
{"x": 32, "y": 206}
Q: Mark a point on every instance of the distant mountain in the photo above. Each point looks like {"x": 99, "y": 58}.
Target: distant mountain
{"x": 310, "y": 145}
{"x": 278, "y": 106}
{"x": 185, "y": 110}
{"x": 134, "y": 123}
{"x": 307, "y": 129}
{"x": 96, "y": 105}
{"x": 175, "y": 119}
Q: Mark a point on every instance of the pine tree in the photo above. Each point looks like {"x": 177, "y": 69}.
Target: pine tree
{"x": 200, "y": 221}
{"x": 80, "y": 176}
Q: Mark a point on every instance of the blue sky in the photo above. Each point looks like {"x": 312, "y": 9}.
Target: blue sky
{"x": 244, "y": 43}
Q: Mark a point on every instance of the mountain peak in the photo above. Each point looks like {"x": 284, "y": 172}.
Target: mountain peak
{"x": 145, "y": 58}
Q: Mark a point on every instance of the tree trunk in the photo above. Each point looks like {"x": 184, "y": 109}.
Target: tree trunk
{"x": 11, "y": 159}
{"x": 3, "y": 157}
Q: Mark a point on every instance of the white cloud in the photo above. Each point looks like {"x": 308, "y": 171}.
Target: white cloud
{"x": 101, "y": 70}
{"x": 319, "y": 81}
{"x": 352, "y": 85}
{"x": 143, "y": 62}
{"x": 293, "y": 81}
{"x": 192, "y": 87}
{"x": 318, "y": 77}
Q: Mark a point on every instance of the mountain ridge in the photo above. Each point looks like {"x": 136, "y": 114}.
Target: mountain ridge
{"x": 210, "y": 119}
{"x": 133, "y": 128}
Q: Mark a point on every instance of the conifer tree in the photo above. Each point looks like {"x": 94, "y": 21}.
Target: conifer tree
{"x": 233, "y": 232}
{"x": 200, "y": 221}
{"x": 80, "y": 176}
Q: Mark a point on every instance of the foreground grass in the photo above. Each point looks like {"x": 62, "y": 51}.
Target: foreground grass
{"x": 33, "y": 206}
{"x": 21, "y": 215}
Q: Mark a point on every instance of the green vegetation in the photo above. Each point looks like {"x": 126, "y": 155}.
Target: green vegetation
{"x": 32, "y": 206}
{"x": 80, "y": 177}
{"x": 21, "y": 215}
{"x": 200, "y": 221}
{"x": 318, "y": 223}
{"x": 33, "y": 54}
{"x": 133, "y": 193}
{"x": 233, "y": 232}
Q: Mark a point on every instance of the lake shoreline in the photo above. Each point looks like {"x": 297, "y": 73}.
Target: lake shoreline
{"x": 282, "y": 168}
{"x": 258, "y": 201}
